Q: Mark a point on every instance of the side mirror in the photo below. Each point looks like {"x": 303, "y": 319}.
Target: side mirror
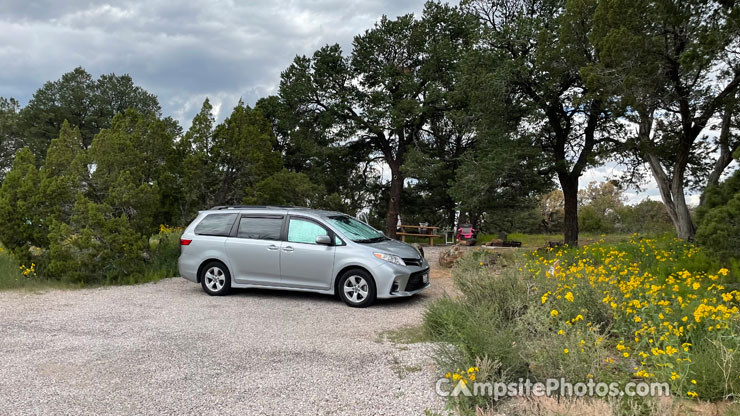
{"x": 324, "y": 240}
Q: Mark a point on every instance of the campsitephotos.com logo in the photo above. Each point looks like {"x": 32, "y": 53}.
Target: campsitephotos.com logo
{"x": 464, "y": 383}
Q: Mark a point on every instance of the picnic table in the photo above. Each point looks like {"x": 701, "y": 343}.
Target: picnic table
{"x": 431, "y": 234}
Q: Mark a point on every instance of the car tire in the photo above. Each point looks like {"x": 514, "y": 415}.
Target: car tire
{"x": 215, "y": 278}
{"x": 357, "y": 288}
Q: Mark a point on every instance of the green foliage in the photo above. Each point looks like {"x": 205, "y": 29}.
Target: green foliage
{"x": 10, "y": 274}
{"x": 134, "y": 162}
{"x": 379, "y": 99}
{"x": 97, "y": 246}
{"x": 244, "y": 152}
{"x": 526, "y": 87}
{"x": 602, "y": 211}
{"x": 502, "y": 186}
{"x": 647, "y": 217}
{"x": 714, "y": 367}
{"x": 718, "y": 218}
{"x": 483, "y": 324}
{"x": 20, "y": 205}
{"x": 61, "y": 176}
{"x": 590, "y": 220}
{"x": 14, "y": 275}
{"x": 165, "y": 250}
{"x": 283, "y": 188}
{"x": 10, "y": 139}
{"x": 83, "y": 216}
{"x": 82, "y": 101}
{"x": 223, "y": 164}
{"x": 197, "y": 175}
{"x": 308, "y": 146}
{"x": 665, "y": 67}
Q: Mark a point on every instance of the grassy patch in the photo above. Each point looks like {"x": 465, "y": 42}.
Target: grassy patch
{"x": 12, "y": 275}
{"x": 405, "y": 335}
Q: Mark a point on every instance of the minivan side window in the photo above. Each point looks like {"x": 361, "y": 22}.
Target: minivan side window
{"x": 304, "y": 231}
{"x": 260, "y": 228}
{"x": 216, "y": 224}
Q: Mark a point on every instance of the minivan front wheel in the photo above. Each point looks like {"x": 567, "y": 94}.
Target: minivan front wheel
{"x": 215, "y": 279}
{"x": 357, "y": 288}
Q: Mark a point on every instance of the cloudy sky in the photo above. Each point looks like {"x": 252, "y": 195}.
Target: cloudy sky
{"x": 185, "y": 51}
{"x": 182, "y": 51}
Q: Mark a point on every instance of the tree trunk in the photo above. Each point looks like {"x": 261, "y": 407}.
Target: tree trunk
{"x": 671, "y": 192}
{"x": 684, "y": 225}
{"x": 394, "y": 203}
{"x": 451, "y": 217}
{"x": 725, "y": 150}
{"x": 569, "y": 183}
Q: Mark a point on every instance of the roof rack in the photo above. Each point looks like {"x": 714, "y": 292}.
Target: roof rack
{"x": 220, "y": 207}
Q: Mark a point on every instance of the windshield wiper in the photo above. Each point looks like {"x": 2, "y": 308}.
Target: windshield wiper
{"x": 372, "y": 240}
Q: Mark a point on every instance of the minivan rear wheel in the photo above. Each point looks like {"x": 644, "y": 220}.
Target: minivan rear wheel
{"x": 215, "y": 278}
{"x": 357, "y": 288}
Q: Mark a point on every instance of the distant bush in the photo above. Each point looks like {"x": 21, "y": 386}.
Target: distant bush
{"x": 718, "y": 219}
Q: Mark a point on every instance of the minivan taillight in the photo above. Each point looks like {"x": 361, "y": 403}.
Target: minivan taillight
{"x": 184, "y": 242}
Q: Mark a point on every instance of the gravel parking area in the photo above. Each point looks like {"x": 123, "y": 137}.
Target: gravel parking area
{"x": 168, "y": 348}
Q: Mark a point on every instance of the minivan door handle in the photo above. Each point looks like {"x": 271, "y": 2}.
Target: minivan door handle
{"x": 288, "y": 249}
{"x": 272, "y": 247}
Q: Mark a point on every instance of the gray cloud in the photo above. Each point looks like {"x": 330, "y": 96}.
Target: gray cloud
{"x": 182, "y": 51}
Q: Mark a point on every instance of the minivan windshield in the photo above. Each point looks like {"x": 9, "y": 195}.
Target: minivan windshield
{"x": 355, "y": 230}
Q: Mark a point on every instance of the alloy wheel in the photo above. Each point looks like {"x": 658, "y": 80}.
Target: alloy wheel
{"x": 356, "y": 289}
{"x": 215, "y": 279}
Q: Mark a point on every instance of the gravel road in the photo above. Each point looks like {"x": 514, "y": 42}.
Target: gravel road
{"x": 167, "y": 348}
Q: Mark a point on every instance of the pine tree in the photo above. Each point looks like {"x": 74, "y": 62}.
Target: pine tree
{"x": 61, "y": 175}
{"x": 96, "y": 246}
{"x": 22, "y": 226}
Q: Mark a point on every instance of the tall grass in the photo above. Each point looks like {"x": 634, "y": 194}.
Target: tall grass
{"x": 12, "y": 275}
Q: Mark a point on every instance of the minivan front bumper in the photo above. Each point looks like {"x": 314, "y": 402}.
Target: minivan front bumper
{"x": 394, "y": 281}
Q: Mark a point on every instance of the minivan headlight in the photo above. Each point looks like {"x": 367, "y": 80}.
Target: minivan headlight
{"x": 390, "y": 258}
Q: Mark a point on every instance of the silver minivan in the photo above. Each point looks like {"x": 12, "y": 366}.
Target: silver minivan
{"x": 298, "y": 249}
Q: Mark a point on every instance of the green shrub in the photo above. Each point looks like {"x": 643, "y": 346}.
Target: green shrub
{"x": 484, "y": 324}
{"x": 715, "y": 368}
{"x": 718, "y": 218}
{"x": 99, "y": 247}
{"x": 165, "y": 249}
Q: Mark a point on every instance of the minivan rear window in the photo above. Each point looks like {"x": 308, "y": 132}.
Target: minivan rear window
{"x": 260, "y": 228}
{"x": 216, "y": 224}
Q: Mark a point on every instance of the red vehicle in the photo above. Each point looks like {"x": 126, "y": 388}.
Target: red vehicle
{"x": 466, "y": 234}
